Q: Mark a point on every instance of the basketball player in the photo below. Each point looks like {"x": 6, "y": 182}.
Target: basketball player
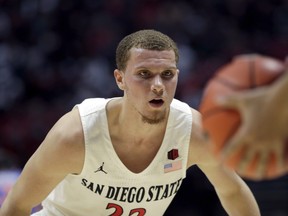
{"x": 264, "y": 127}
{"x": 126, "y": 155}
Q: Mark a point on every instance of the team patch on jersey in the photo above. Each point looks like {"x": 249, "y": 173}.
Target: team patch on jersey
{"x": 173, "y": 166}
{"x": 173, "y": 154}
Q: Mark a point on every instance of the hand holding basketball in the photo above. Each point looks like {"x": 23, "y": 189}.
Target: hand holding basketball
{"x": 248, "y": 127}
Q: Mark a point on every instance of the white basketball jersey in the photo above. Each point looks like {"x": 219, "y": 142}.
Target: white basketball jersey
{"x": 106, "y": 187}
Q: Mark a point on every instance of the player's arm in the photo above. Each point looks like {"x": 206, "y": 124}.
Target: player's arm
{"x": 234, "y": 194}
{"x": 61, "y": 153}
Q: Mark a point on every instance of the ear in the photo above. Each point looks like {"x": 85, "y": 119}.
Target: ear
{"x": 119, "y": 77}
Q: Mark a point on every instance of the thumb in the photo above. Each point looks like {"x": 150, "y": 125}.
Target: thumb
{"x": 230, "y": 101}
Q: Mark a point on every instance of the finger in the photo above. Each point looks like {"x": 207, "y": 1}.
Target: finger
{"x": 231, "y": 101}
{"x": 246, "y": 161}
{"x": 234, "y": 143}
{"x": 262, "y": 164}
{"x": 238, "y": 99}
{"x": 280, "y": 160}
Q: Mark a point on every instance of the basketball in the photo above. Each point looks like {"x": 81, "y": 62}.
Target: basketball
{"x": 242, "y": 73}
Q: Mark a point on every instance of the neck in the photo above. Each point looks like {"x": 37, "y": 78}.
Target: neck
{"x": 130, "y": 123}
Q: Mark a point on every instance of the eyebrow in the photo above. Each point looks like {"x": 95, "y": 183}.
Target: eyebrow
{"x": 146, "y": 68}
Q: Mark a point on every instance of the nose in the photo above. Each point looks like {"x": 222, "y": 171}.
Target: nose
{"x": 157, "y": 86}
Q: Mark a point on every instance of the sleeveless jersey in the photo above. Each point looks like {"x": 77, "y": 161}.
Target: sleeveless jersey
{"x": 106, "y": 186}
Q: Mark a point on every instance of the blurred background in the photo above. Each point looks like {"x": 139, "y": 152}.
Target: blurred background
{"x": 56, "y": 53}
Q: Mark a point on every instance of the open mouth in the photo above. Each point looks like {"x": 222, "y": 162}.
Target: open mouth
{"x": 156, "y": 102}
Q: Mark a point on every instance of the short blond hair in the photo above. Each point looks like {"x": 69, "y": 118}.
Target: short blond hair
{"x": 147, "y": 39}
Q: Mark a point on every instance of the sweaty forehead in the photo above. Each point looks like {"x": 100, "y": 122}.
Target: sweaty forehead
{"x": 140, "y": 55}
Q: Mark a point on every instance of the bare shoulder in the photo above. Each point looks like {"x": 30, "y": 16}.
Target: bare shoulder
{"x": 197, "y": 118}
{"x": 63, "y": 146}
{"x": 68, "y": 130}
{"x": 200, "y": 149}
{"x": 61, "y": 153}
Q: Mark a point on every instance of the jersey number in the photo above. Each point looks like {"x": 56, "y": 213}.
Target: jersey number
{"x": 119, "y": 210}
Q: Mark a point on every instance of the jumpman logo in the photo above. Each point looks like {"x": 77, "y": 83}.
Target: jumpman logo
{"x": 101, "y": 169}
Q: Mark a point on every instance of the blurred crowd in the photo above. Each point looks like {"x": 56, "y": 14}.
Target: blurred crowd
{"x": 56, "y": 53}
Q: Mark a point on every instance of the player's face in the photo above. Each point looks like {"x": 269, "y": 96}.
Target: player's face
{"x": 149, "y": 83}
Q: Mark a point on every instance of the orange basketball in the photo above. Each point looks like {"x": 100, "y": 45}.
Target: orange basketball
{"x": 242, "y": 73}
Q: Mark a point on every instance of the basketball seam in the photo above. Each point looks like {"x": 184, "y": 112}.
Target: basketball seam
{"x": 212, "y": 111}
{"x": 229, "y": 84}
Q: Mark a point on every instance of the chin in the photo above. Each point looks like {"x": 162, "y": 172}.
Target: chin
{"x": 152, "y": 121}
{"x": 156, "y": 119}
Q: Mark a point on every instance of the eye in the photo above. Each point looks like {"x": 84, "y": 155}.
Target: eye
{"x": 168, "y": 74}
{"x": 144, "y": 74}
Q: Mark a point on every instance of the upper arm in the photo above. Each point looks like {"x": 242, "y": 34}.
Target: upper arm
{"x": 200, "y": 149}
{"x": 61, "y": 153}
{"x": 233, "y": 192}
{"x": 201, "y": 154}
